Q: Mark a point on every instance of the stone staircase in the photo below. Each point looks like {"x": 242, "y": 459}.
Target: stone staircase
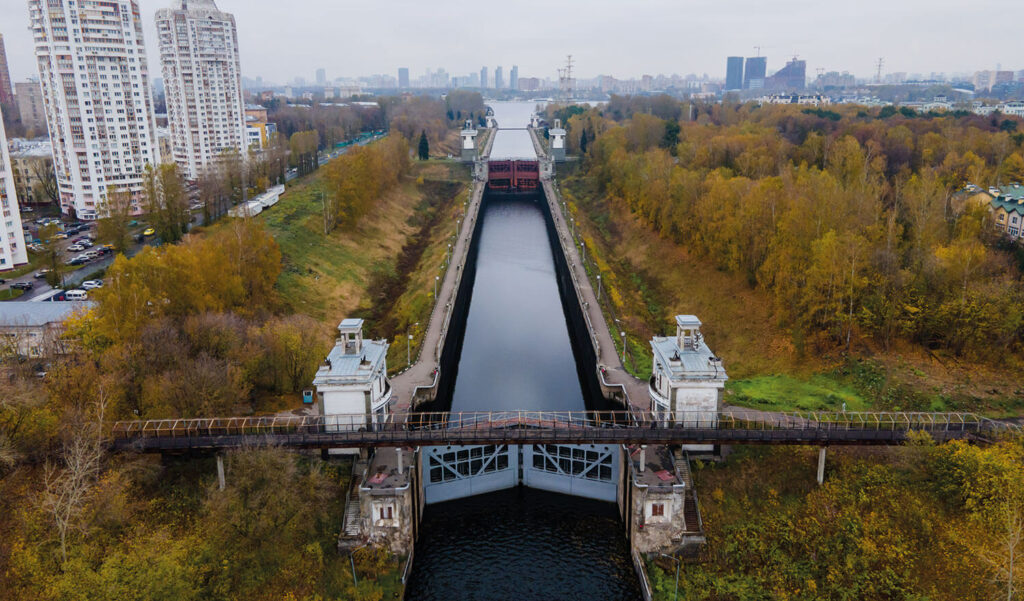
{"x": 352, "y": 523}
{"x": 691, "y": 511}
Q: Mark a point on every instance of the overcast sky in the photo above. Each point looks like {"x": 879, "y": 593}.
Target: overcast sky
{"x": 284, "y": 39}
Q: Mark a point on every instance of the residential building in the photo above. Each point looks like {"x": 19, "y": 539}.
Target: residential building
{"x": 163, "y": 141}
{"x": 688, "y": 379}
{"x": 734, "y": 73}
{"x": 203, "y": 83}
{"x": 483, "y": 77}
{"x": 6, "y": 92}
{"x": 353, "y": 380}
{"x": 32, "y": 329}
{"x": 31, "y": 161}
{"x": 1008, "y": 211}
{"x": 754, "y": 72}
{"x": 529, "y": 84}
{"x": 513, "y": 77}
{"x": 95, "y": 82}
{"x": 403, "y": 78}
{"x": 499, "y": 78}
{"x": 29, "y": 97}
{"x": 792, "y": 77}
{"x": 321, "y": 77}
{"x": 12, "y": 239}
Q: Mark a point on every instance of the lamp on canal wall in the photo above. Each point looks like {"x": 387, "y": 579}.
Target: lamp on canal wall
{"x": 437, "y": 279}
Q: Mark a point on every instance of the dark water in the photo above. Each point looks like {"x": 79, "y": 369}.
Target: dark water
{"x": 516, "y": 353}
{"x": 519, "y": 544}
{"x": 522, "y": 544}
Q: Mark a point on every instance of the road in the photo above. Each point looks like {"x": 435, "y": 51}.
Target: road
{"x": 43, "y": 290}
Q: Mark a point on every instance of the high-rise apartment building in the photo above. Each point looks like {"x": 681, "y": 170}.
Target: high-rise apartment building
{"x": 483, "y": 77}
{"x": 734, "y": 73}
{"x": 403, "y": 78}
{"x": 6, "y": 91}
{"x": 321, "y": 74}
{"x": 513, "y": 77}
{"x": 29, "y": 97}
{"x": 499, "y": 78}
{"x": 202, "y": 83}
{"x": 790, "y": 78}
{"x": 95, "y": 82}
{"x": 12, "y": 239}
{"x": 754, "y": 73}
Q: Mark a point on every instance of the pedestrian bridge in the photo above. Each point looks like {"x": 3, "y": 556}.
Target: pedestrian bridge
{"x": 735, "y": 426}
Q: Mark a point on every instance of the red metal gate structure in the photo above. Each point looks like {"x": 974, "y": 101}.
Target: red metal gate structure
{"x": 513, "y": 175}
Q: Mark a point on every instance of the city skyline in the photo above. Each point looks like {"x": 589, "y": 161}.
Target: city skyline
{"x": 401, "y": 37}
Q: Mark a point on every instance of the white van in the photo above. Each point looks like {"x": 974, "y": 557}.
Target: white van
{"x": 77, "y": 295}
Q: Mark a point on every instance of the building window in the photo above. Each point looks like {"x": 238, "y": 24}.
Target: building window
{"x": 657, "y": 510}
{"x": 386, "y": 512}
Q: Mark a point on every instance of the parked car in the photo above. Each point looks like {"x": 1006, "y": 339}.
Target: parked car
{"x": 22, "y": 286}
{"x": 76, "y": 261}
{"x": 92, "y": 284}
{"x": 60, "y": 236}
{"x": 76, "y": 248}
{"x": 91, "y": 254}
{"x": 42, "y": 273}
{"x": 148, "y": 231}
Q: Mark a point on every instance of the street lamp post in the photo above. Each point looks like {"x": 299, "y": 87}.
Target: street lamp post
{"x": 437, "y": 279}
{"x": 598, "y": 288}
{"x": 449, "y": 254}
{"x": 572, "y": 220}
{"x": 623, "y": 334}
{"x": 583, "y": 254}
{"x": 675, "y": 559}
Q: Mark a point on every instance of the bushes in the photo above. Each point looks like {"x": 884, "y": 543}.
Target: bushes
{"x": 358, "y": 178}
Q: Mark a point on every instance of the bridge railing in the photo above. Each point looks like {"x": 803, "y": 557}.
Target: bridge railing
{"x": 733, "y": 419}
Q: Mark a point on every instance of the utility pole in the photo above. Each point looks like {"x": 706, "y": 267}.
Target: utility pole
{"x": 878, "y": 75}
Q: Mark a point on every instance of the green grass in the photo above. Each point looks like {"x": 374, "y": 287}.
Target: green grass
{"x": 786, "y": 393}
{"x": 8, "y": 294}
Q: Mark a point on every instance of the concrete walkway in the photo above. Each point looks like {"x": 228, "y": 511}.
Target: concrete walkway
{"x": 425, "y": 371}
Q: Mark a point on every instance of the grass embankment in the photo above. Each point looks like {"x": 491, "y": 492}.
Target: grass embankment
{"x": 383, "y": 269}
{"x": 648, "y": 280}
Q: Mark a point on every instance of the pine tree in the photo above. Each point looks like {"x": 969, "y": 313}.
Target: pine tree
{"x": 424, "y": 148}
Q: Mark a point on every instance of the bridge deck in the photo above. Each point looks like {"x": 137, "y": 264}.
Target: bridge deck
{"x": 533, "y": 427}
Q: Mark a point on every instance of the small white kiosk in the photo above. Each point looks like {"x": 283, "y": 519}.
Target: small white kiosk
{"x": 688, "y": 380}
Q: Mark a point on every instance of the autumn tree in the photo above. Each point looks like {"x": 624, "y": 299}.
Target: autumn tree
{"x": 113, "y": 227}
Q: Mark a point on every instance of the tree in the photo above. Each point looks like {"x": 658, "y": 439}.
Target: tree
{"x": 113, "y": 225}
{"x": 51, "y": 256}
{"x": 45, "y": 188}
{"x": 67, "y": 488}
{"x": 424, "y": 146}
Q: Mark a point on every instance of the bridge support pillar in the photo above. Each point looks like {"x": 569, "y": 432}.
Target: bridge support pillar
{"x": 220, "y": 471}
{"x": 821, "y": 466}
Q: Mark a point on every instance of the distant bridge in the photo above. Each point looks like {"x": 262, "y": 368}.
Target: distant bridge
{"x": 546, "y": 427}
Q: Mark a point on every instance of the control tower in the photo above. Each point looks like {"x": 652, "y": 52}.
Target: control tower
{"x": 469, "y": 142}
{"x": 557, "y": 137}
